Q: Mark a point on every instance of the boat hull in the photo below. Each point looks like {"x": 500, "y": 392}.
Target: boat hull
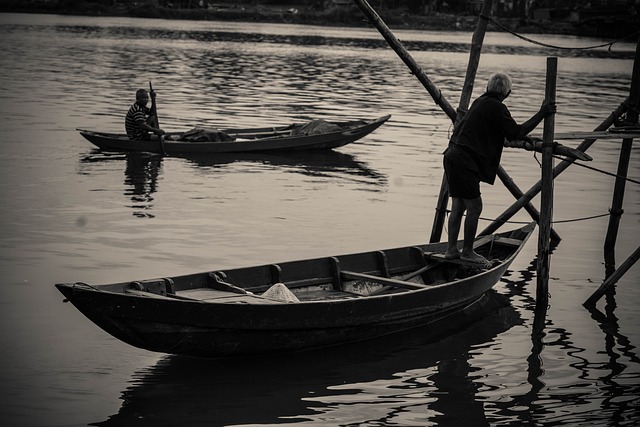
{"x": 218, "y": 329}
{"x": 247, "y": 140}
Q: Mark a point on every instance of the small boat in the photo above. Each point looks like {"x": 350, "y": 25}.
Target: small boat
{"x": 313, "y": 135}
{"x": 297, "y": 305}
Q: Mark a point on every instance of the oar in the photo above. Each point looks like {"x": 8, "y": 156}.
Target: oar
{"x": 154, "y": 111}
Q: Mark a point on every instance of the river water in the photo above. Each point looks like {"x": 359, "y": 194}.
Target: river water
{"x": 72, "y": 213}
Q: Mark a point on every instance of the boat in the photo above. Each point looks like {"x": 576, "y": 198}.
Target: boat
{"x": 297, "y": 305}
{"x": 313, "y": 135}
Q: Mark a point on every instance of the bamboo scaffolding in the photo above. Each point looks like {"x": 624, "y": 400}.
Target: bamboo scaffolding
{"x": 618, "y": 194}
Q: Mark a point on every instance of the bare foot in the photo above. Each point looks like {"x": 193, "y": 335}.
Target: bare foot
{"x": 475, "y": 258}
{"x": 452, "y": 255}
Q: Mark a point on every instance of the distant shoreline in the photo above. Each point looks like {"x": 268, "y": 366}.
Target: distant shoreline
{"x": 338, "y": 16}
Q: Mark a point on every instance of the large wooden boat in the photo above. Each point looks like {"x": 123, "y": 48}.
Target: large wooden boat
{"x": 297, "y": 305}
{"x": 314, "y": 135}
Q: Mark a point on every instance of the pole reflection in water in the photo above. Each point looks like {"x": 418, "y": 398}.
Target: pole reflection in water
{"x": 600, "y": 388}
{"x": 613, "y": 340}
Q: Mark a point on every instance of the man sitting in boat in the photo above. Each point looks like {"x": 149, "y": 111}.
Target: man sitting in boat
{"x": 141, "y": 120}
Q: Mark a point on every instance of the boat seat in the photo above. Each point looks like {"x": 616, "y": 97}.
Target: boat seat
{"x": 155, "y": 286}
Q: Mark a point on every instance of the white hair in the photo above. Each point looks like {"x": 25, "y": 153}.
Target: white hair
{"x": 500, "y": 83}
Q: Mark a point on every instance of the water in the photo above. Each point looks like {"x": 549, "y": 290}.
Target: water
{"x": 71, "y": 213}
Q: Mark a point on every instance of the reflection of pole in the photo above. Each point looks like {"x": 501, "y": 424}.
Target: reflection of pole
{"x": 623, "y": 166}
{"x": 465, "y": 98}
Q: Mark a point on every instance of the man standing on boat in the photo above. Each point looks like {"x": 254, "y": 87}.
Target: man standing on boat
{"x": 473, "y": 155}
{"x": 140, "y": 119}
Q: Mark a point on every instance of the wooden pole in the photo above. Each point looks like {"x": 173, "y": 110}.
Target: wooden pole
{"x": 406, "y": 57}
{"x": 618, "y": 195}
{"x": 154, "y": 111}
{"x": 611, "y": 280}
{"x": 465, "y": 97}
{"x": 474, "y": 59}
{"x": 623, "y": 166}
{"x": 561, "y": 167}
{"x": 546, "y": 202}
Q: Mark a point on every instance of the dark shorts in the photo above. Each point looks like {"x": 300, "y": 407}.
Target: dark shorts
{"x": 463, "y": 183}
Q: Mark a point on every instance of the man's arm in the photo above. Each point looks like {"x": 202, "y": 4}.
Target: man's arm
{"x": 545, "y": 110}
{"x": 145, "y": 126}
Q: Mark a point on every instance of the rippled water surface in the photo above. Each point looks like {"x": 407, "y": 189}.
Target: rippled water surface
{"x": 72, "y": 213}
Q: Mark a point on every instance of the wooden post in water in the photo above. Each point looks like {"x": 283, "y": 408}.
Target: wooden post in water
{"x": 465, "y": 97}
{"x": 612, "y": 275}
{"x": 623, "y": 166}
{"x": 612, "y": 279}
{"x": 546, "y": 202}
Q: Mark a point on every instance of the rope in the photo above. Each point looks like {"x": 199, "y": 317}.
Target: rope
{"x": 560, "y": 221}
{"x": 610, "y": 44}
{"x": 597, "y": 170}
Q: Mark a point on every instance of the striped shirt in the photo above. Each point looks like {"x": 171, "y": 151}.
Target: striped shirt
{"x": 135, "y": 116}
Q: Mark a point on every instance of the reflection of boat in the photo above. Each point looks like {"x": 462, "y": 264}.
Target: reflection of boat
{"x": 298, "y": 136}
{"x": 296, "y": 305}
{"x": 317, "y": 163}
{"x": 284, "y": 387}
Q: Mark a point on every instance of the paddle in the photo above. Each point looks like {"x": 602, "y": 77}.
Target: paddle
{"x": 154, "y": 112}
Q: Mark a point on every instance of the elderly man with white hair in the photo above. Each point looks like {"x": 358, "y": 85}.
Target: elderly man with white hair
{"x": 473, "y": 155}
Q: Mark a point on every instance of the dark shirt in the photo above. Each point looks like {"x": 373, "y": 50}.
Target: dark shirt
{"x": 478, "y": 139}
{"x": 135, "y": 116}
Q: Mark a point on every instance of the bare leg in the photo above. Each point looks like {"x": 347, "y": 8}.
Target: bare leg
{"x": 474, "y": 209}
{"x": 455, "y": 220}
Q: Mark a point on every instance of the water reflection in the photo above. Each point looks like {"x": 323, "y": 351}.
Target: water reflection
{"x": 573, "y": 403}
{"x": 320, "y": 164}
{"x": 400, "y": 380}
{"x": 142, "y": 170}
{"x": 141, "y": 176}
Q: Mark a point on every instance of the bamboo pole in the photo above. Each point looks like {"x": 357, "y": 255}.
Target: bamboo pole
{"x": 611, "y": 280}
{"x": 465, "y": 97}
{"x": 406, "y": 57}
{"x": 546, "y": 200}
{"x": 474, "y": 59}
{"x": 623, "y": 165}
{"x": 561, "y": 167}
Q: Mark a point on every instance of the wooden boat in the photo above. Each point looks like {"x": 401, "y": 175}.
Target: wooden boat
{"x": 297, "y": 136}
{"x": 297, "y": 305}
